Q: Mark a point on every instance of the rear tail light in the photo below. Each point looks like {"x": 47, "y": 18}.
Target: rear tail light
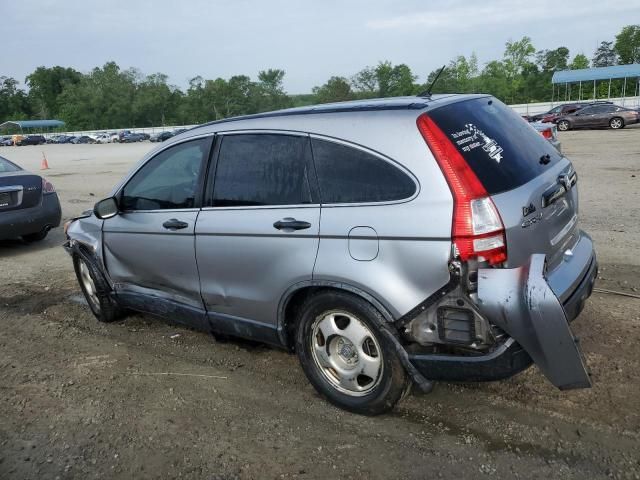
{"x": 478, "y": 232}
{"x": 547, "y": 133}
{"x": 47, "y": 186}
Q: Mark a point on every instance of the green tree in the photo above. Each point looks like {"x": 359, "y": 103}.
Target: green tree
{"x": 46, "y": 85}
{"x": 101, "y": 99}
{"x": 384, "y": 80}
{"x": 579, "y": 61}
{"x": 627, "y": 44}
{"x": 604, "y": 56}
{"x": 154, "y": 101}
{"x": 271, "y": 91}
{"x": 337, "y": 89}
{"x": 14, "y": 103}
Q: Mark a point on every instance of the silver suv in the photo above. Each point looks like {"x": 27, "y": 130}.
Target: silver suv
{"x": 387, "y": 242}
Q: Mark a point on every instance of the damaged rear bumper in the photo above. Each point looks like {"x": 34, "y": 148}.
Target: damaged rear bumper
{"x": 522, "y": 303}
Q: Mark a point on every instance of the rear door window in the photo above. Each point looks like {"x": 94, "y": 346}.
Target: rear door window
{"x": 500, "y": 147}
{"x": 350, "y": 175}
{"x": 262, "y": 169}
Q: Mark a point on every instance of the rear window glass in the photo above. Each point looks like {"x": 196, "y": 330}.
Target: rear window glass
{"x": 350, "y": 175}
{"x": 502, "y": 149}
{"x": 7, "y": 166}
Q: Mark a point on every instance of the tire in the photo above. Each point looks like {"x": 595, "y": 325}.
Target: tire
{"x": 36, "y": 237}
{"x": 616, "y": 123}
{"x": 95, "y": 289}
{"x": 340, "y": 332}
{"x": 564, "y": 125}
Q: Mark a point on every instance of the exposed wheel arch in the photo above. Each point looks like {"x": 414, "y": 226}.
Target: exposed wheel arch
{"x": 295, "y": 296}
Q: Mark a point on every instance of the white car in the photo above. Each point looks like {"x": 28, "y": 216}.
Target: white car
{"x": 103, "y": 138}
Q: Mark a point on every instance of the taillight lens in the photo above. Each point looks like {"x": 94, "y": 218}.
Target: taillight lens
{"x": 47, "y": 186}
{"x": 547, "y": 133}
{"x": 478, "y": 232}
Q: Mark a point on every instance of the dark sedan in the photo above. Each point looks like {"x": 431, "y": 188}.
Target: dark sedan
{"x": 133, "y": 137}
{"x": 598, "y": 116}
{"x": 29, "y": 205}
{"x": 32, "y": 140}
{"x": 161, "y": 137}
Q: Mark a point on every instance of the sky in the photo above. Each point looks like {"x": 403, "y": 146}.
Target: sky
{"x": 310, "y": 40}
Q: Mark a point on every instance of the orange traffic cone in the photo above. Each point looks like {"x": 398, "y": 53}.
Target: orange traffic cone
{"x": 44, "y": 165}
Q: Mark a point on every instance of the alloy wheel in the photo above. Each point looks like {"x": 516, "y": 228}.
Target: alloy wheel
{"x": 347, "y": 353}
{"x": 89, "y": 286}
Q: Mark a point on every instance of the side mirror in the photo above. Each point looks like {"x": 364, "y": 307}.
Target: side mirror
{"x": 106, "y": 208}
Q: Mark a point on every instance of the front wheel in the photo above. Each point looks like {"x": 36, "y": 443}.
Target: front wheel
{"x": 346, "y": 356}
{"x": 616, "y": 123}
{"x": 95, "y": 289}
{"x": 563, "y": 125}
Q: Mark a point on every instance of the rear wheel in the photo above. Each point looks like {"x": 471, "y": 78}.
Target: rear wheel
{"x": 95, "y": 289}
{"x": 346, "y": 356}
{"x": 563, "y": 125}
{"x": 616, "y": 123}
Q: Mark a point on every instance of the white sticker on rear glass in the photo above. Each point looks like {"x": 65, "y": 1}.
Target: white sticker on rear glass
{"x": 472, "y": 137}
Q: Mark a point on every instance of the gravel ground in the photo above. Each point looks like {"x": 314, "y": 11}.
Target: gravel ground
{"x": 79, "y": 399}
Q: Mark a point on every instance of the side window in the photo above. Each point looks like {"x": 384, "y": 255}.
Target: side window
{"x": 350, "y": 175}
{"x": 169, "y": 180}
{"x": 262, "y": 169}
{"x": 587, "y": 111}
{"x": 555, "y": 110}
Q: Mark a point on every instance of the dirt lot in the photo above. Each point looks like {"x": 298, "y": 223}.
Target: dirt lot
{"x": 80, "y": 399}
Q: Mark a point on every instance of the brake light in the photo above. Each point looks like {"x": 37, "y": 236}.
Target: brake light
{"x": 47, "y": 186}
{"x": 477, "y": 232}
{"x": 547, "y": 133}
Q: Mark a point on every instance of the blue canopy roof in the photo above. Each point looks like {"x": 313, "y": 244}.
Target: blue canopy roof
{"x": 33, "y": 123}
{"x": 597, "y": 73}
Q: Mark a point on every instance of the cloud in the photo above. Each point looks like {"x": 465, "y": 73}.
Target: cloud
{"x": 463, "y": 17}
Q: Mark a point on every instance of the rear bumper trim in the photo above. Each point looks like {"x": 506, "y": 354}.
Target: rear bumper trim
{"x": 504, "y": 362}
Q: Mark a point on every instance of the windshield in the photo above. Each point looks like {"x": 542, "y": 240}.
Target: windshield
{"x": 500, "y": 147}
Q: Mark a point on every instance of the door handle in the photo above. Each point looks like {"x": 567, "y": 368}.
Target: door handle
{"x": 291, "y": 224}
{"x": 175, "y": 224}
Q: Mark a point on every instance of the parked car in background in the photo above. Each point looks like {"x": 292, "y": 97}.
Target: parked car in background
{"x": 179, "y": 131}
{"x": 31, "y": 140}
{"x": 555, "y": 112}
{"x": 82, "y": 139}
{"x": 6, "y": 141}
{"x": 550, "y": 132}
{"x": 103, "y": 138}
{"x": 29, "y": 205}
{"x": 160, "y": 137}
{"x": 132, "y": 137}
{"x": 65, "y": 139}
{"x": 385, "y": 241}
{"x": 598, "y": 116}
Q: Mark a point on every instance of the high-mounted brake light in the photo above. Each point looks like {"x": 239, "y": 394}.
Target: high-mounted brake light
{"x": 547, "y": 133}
{"x": 477, "y": 230}
{"x": 47, "y": 186}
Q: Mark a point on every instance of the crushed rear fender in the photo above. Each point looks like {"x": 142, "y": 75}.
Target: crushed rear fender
{"x": 520, "y": 301}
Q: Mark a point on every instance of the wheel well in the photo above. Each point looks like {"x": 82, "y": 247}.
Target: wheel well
{"x": 288, "y": 319}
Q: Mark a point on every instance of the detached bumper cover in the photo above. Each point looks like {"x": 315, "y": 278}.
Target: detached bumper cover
{"x": 521, "y": 302}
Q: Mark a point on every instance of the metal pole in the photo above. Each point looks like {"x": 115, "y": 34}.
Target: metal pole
{"x": 609, "y": 92}
{"x": 580, "y": 91}
{"x": 566, "y": 90}
{"x": 594, "y": 89}
{"x": 624, "y": 90}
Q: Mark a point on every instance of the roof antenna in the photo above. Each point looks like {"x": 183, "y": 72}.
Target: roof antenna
{"x": 427, "y": 92}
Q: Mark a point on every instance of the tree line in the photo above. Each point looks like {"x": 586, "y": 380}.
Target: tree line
{"x": 110, "y": 97}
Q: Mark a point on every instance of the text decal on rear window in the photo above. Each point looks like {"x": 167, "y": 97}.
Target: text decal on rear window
{"x": 471, "y": 137}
